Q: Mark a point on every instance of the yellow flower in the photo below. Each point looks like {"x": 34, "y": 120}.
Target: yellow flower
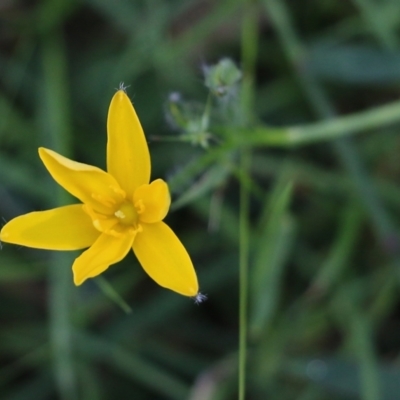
{"x": 121, "y": 210}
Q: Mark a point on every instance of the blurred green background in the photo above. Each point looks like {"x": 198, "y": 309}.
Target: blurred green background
{"x": 321, "y": 118}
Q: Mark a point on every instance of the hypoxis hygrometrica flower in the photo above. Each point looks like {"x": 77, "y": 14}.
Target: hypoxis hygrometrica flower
{"x": 120, "y": 210}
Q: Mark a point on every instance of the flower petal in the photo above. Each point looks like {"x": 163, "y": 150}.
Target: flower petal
{"x": 63, "y": 228}
{"x": 106, "y": 250}
{"x": 164, "y": 258}
{"x": 89, "y": 184}
{"x": 154, "y": 199}
{"x": 128, "y": 158}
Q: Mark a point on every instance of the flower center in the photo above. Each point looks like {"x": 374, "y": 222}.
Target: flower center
{"x": 127, "y": 214}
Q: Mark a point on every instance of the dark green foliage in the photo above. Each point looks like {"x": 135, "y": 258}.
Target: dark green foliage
{"x": 324, "y": 319}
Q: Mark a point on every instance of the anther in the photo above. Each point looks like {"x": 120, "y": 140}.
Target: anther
{"x": 140, "y": 208}
{"x": 119, "y": 191}
{"x": 104, "y": 200}
{"x": 114, "y": 233}
{"x": 119, "y": 214}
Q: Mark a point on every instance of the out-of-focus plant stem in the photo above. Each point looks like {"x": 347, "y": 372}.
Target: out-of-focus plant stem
{"x": 296, "y": 54}
{"x": 316, "y": 132}
{"x": 249, "y": 54}
{"x": 348, "y": 154}
{"x": 55, "y": 122}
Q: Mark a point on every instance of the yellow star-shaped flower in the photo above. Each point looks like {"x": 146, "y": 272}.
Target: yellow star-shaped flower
{"x": 121, "y": 210}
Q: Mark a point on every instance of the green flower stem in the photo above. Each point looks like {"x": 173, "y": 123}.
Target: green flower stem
{"x": 296, "y": 54}
{"x": 109, "y": 291}
{"x": 249, "y": 54}
{"x": 320, "y": 131}
{"x": 245, "y": 164}
{"x": 55, "y": 124}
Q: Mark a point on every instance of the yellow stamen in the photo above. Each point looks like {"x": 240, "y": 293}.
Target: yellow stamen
{"x": 104, "y": 200}
{"x": 140, "y": 206}
{"x": 119, "y": 214}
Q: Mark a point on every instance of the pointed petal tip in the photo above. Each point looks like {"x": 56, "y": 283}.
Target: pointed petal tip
{"x": 45, "y": 153}
{"x": 42, "y": 151}
{"x": 192, "y": 292}
{"x": 120, "y": 95}
{"x": 121, "y": 100}
{"x": 4, "y": 235}
{"x": 78, "y": 278}
{"x": 77, "y": 282}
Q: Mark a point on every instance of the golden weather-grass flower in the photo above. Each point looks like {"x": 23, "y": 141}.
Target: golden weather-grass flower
{"x": 120, "y": 210}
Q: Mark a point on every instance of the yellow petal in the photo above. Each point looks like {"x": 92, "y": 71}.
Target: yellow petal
{"x": 128, "y": 158}
{"x": 105, "y": 251}
{"x": 89, "y": 184}
{"x": 164, "y": 258}
{"x": 154, "y": 200}
{"x": 63, "y": 228}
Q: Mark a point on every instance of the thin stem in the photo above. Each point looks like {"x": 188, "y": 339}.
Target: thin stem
{"x": 110, "y": 292}
{"x": 245, "y": 163}
{"x": 315, "y": 132}
{"x": 55, "y": 124}
{"x": 249, "y": 54}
